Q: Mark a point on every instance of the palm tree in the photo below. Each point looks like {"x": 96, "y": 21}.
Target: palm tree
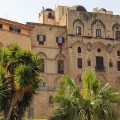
{"x": 22, "y": 70}
{"x": 68, "y": 97}
{"x": 98, "y": 98}
{"x": 92, "y": 102}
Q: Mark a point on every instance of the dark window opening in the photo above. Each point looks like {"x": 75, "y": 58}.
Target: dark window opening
{"x": 41, "y": 39}
{"x": 117, "y": 34}
{"x": 60, "y": 67}
{"x": 50, "y": 100}
{"x": 79, "y": 62}
{"x": 49, "y": 15}
{"x": 42, "y": 65}
{"x": 89, "y": 62}
{"x": 99, "y": 63}
{"x": 13, "y": 29}
{"x": 1, "y": 26}
{"x": 79, "y": 50}
{"x": 118, "y": 53}
{"x": 78, "y": 30}
{"x": 110, "y": 64}
{"x": 118, "y": 65}
{"x": 98, "y": 50}
{"x": 98, "y": 32}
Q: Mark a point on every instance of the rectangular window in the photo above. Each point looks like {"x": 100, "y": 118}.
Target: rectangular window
{"x": 99, "y": 63}
{"x": 89, "y": 62}
{"x": 117, "y": 34}
{"x": 110, "y": 64}
{"x": 79, "y": 62}
{"x": 13, "y": 29}
{"x": 60, "y": 40}
{"x": 1, "y": 26}
{"x": 42, "y": 65}
{"x": 98, "y": 32}
{"x": 41, "y": 39}
{"x": 118, "y": 65}
{"x": 60, "y": 67}
{"x": 78, "y": 30}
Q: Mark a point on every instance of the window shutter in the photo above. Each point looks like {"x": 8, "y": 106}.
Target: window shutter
{"x": 19, "y": 30}
{"x": 44, "y": 37}
{"x": 57, "y": 39}
{"x": 63, "y": 40}
{"x": 37, "y": 37}
{"x": 10, "y": 28}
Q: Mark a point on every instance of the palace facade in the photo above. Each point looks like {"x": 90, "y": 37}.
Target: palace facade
{"x": 70, "y": 41}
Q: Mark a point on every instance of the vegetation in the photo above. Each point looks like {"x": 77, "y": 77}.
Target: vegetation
{"x": 92, "y": 102}
{"x": 19, "y": 73}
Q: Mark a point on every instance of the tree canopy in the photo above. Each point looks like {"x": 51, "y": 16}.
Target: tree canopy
{"x": 94, "y": 101}
{"x": 19, "y": 73}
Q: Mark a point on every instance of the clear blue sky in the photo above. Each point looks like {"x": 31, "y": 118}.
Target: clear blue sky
{"x": 27, "y": 10}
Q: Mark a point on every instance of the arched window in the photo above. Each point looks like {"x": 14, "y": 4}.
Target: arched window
{"x": 110, "y": 63}
{"x": 118, "y": 53}
{"x": 42, "y": 65}
{"x": 51, "y": 100}
{"x": 60, "y": 66}
{"x": 79, "y": 49}
{"x": 49, "y": 15}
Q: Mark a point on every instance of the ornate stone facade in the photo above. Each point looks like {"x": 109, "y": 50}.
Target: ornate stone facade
{"x": 89, "y": 40}
{"x": 70, "y": 41}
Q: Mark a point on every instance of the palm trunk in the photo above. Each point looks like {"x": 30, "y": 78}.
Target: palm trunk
{"x": 16, "y": 97}
{"x": 9, "y": 113}
{"x": 89, "y": 117}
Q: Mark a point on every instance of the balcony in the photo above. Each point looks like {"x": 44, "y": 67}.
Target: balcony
{"x": 100, "y": 69}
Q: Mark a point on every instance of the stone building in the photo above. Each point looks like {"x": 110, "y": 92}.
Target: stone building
{"x": 14, "y": 33}
{"x": 71, "y": 41}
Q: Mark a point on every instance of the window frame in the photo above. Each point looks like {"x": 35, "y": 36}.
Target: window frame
{"x": 78, "y": 30}
{"x": 98, "y": 32}
{"x": 14, "y": 29}
{"x": 41, "y": 39}
{"x": 117, "y": 34}
{"x": 60, "y": 66}
{"x": 79, "y": 63}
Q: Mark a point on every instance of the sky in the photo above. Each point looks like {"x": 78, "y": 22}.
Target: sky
{"x": 27, "y": 10}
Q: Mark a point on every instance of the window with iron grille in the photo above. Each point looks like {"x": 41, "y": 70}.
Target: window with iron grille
{"x": 99, "y": 63}
{"x": 110, "y": 64}
{"x": 117, "y": 34}
{"x": 78, "y": 30}
{"x": 60, "y": 67}
{"x": 98, "y": 32}
{"x": 79, "y": 62}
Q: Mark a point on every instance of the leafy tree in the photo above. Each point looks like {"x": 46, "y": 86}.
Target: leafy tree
{"x": 21, "y": 73}
{"x": 92, "y": 102}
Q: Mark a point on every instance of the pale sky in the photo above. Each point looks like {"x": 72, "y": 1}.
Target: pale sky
{"x": 27, "y": 10}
